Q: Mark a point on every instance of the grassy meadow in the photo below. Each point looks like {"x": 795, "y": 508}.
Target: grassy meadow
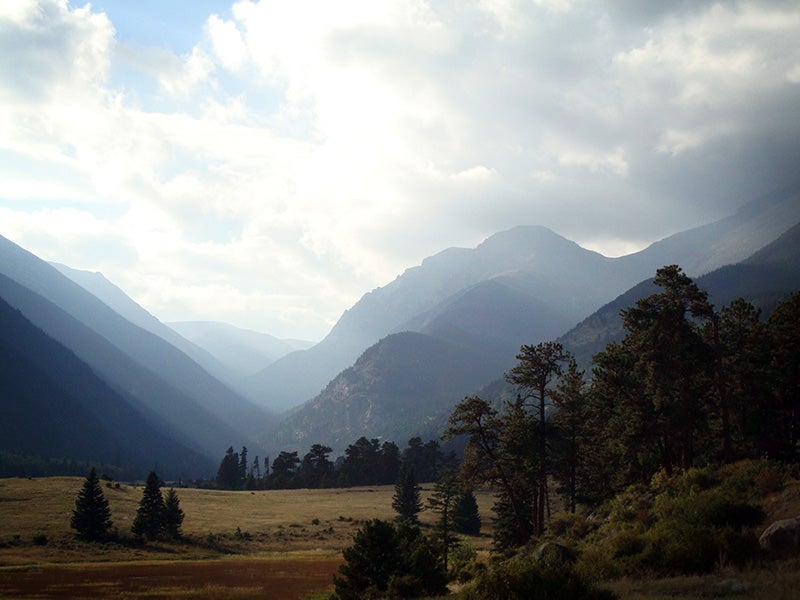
{"x": 265, "y": 544}
{"x": 268, "y": 545}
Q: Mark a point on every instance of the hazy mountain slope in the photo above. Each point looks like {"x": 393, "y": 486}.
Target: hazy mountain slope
{"x": 386, "y": 394}
{"x": 241, "y": 350}
{"x": 557, "y": 273}
{"x": 534, "y": 252}
{"x": 763, "y": 278}
{"x": 725, "y": 242}
{"x": 146, "y": 349}
{"x": 53, "y": 405}
{"x": 100, "y": 287}
{"x": 179, "y": 413}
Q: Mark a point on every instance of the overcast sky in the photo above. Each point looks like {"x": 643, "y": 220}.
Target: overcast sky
{"x": 267, "y": 163}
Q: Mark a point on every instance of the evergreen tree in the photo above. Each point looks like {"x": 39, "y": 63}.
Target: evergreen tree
{"x": 467, "y": 517}
{"x": 537, "y": 367}
{"x": 316, "y": 470}
{"x": 149, "y": 521}
{"x": 406, "y": 500}
{"x": 173, "y": 515}
{"x": 284, "y": 470}
{"x": 498, "y": 453}
{"x": 229, "y": 474}
{"x": 91, "y": 518}
{"x": 570, "y": 424}
{"x": 389, "y": 561}
{"x": 443, "y": 501}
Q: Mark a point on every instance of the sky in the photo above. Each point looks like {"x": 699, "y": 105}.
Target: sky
{"x": 266, "y": 163}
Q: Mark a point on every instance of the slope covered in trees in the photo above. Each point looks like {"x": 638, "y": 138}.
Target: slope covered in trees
{"x": 54, "y": 407}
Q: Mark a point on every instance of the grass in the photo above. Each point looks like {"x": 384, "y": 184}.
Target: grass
{"x": 217, "y": 522}
{"x": 270, "y": 545}
{"x": 266, "y": 544}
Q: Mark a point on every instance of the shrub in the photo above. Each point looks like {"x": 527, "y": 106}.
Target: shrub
{"x": 40, "y": 539}
{"x": 524, "y": 579}
{"x": 389, "y": 559}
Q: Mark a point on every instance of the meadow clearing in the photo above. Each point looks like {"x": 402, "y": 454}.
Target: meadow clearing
{"x": 264, "y": 545}
{"x": 273, "y": 545}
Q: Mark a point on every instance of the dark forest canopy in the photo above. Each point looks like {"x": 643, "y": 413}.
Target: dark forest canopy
{"x": 687, "y": 386}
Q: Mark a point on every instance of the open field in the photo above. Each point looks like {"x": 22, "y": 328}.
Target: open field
{"x": 268, "y": 544}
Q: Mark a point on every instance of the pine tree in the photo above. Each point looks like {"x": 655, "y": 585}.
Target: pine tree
{"x": 406, "y": 500}
{"x": 91, "y": 518}
{"x": 173, "y": 515}
{"x": 467, "y": 517}
{"x": 443, "y": 501}
{"x": 149, "y": 521}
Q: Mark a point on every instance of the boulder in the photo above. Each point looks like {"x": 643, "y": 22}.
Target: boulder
{"x": 782, "y": 537}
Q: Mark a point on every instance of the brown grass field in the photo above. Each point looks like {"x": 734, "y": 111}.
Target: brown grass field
{"x": 270, "y": 545}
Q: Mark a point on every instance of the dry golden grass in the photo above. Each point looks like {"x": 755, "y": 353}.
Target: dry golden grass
{"x": 216, "y": 523}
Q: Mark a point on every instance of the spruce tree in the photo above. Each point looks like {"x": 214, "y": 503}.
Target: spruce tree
{"x": 173, "y": 515}
{"x": 406, "y": 500}
{"x": 91, "y": 518}
{"x": 443, "y": 501}
{"x": 467, "y": 517}
{"x": 149, "y": 521}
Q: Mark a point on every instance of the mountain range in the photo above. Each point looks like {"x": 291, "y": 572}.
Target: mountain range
{"x": 162, "y": 383}
{"x": 529, "y": 303}
{"x": 392, "y": 367}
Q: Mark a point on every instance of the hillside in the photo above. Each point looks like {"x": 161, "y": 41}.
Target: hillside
{"x": 55, "y": 407}
{"x": 167, "y": 367}
{"x": 561, "y": 278}
{"x": 762, "y": 279}
{"x": 387, "y": 394}
{"x": 149, "y": 394}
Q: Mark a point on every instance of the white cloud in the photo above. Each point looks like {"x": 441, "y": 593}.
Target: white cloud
{"x": 304, "y": 152}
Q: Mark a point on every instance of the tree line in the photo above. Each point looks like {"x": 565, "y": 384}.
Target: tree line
{"x": 688, "y": 385}
{"x": 365, "y": 462}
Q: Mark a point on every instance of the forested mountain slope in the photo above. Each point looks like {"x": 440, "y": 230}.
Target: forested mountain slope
{"x": 144, "y": 350}
{"x": 562, "y": 280}
{"x": 54, "y": 407}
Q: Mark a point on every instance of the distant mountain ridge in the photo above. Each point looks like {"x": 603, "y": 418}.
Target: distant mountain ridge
{"x": 555, "y": 275}
{"x": 482, "y": 328}
{"x": 242, "y": 351}
{"x": 162, "y": 381}
{"x": 54, "y": 406}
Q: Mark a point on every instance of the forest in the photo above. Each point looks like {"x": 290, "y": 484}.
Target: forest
{"x": 678, "y": 429}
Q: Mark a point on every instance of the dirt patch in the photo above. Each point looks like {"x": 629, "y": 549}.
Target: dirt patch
{"x": 257, "y": 579}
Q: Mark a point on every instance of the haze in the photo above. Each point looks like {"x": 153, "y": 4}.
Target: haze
{"x": 266, "y": 163}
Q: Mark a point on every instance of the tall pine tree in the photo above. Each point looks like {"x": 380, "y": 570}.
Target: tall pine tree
{"x": 91, "y": 518}
{"x": 149, "y": 521}
{"x": 406, "y": 500}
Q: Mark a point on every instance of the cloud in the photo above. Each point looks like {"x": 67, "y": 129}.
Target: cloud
{"x": 297, "y": 154}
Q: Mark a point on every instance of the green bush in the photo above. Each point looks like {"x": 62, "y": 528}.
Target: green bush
{"x": 525, "y": 579}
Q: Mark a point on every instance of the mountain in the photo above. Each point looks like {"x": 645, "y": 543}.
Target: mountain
{"x": 111, "y": 295}
{"x": 130, "y": 358}
{"x": 763, "y": 279}
{"x": 54, "y": 406}
{"x": 148, "y": 393}
{"x": 563, "y": 281}
{"x": 387, "y": 393}
{"x": 240, "y": 350}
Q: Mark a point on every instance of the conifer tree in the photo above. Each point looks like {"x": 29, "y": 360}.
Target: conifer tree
{"x": 443, "y": 501}
{"x": 149, "y": 521}
{"x": 91, "y": 518}
{"x": 467, "y": 517}
{"x": 406, "y": 500}
{"x": 173, "y": 515}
